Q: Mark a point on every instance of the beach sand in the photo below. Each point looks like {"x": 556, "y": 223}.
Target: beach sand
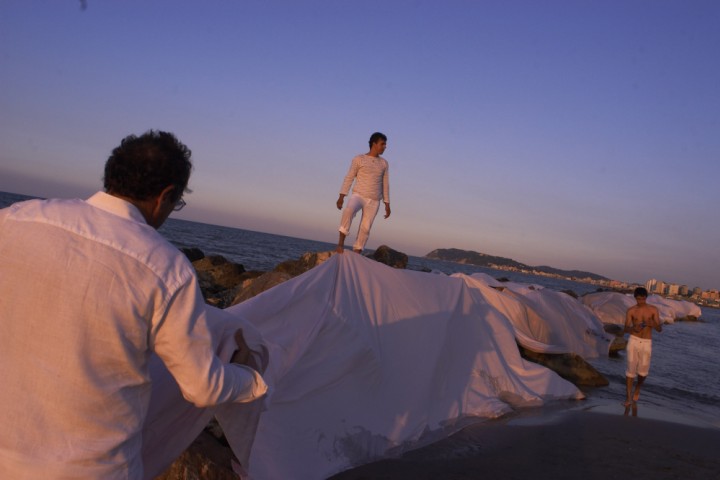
{"x": 576, "y": 444}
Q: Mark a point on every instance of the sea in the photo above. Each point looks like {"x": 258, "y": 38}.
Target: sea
{"x": 684, "y": 381}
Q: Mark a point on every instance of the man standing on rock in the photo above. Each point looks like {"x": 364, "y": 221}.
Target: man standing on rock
{"x": 89, "y": 290}
{"x": 639, "y": 322}
{"x": 371, "y": 175}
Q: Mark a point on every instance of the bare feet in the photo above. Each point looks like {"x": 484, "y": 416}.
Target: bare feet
{"x": 339, "y": 249}
{"x": 357, "y": 251}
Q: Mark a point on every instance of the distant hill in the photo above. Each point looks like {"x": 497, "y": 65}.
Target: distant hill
{"x": 484, "y": 260}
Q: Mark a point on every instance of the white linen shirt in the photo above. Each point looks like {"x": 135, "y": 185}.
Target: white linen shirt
{"x": 87, "y": 291}
{"x": 372, "y": 178}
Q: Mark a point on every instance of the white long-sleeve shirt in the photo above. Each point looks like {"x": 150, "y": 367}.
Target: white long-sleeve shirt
{"x": 87, "y": 291}
{"x": 372, "y": 178}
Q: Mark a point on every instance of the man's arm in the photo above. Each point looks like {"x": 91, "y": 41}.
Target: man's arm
{"x": 182, "y": 339}
{"x": 656, "y": 319}
{"x": 386, "y": 189}
{"x": 349, "y": 177}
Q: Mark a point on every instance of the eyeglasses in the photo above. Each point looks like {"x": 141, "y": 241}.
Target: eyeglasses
{"x": 179, "y": 205}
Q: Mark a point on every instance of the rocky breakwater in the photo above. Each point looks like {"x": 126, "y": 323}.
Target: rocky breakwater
{"x": 225, "y": 283}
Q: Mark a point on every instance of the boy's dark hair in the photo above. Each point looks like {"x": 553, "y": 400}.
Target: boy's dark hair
{"x": 376, "y": 137}
{"x": 640, "y": 292}
{"x": 141, "y": 167}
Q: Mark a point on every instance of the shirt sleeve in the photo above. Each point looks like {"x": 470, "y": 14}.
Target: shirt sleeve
{"x": 182, "y": 339}
{"x": 386, "y": 183}
{"x": 351, "y": 174}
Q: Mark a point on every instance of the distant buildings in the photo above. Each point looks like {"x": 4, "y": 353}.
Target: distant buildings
{"x": 708, "y": 297}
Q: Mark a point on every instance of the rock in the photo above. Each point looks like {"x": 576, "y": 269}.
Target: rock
{"x": 220, "y": 279}
{"x": 618, "y": 343}
{"x": 571, "y": 293}
{"x": 613, "y": 329}
{"x": 216, "y": 273}
{"x": 569, "y": 366}
{"x": 388, "y": 256}
{"x": 193, "y": 253}
{"x": 206, "y": 459}
{"x": 307, "y": 261}
{"x": 255, "y": 286}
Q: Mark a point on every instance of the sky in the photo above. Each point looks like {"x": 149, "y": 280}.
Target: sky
{"x": 579, "y": 134}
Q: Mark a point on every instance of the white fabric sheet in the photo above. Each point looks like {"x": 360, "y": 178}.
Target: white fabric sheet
{"x": 544, "y": 320}
{"x": 611, "y": 307}
{"x": 367, "y": 361}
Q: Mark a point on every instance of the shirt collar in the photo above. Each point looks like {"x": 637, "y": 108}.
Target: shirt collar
{"x": 116, "y": 206}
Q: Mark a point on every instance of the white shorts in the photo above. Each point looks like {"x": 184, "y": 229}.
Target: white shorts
{"x": 638, "y": 356}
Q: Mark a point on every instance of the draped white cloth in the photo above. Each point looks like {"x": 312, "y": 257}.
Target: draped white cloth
{"x": 367, "y": 361}
{"x": 544, "y": 320}
{"x": 671, "y": 310}
{"x": 611, "y": 307}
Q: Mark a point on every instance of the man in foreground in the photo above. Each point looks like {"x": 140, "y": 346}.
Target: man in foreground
{"x": 89, "y": 289}
{"x": 639, "y": 322}
{"x": 371, "y": 175}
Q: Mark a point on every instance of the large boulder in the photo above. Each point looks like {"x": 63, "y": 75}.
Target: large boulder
{"x": 307, "y": 261}
{"x": 217, "y": 273}
{"x": 220, "y": 279}
{"x": 569, "y": 366}
{"x": 255, "y": 286}
{"x": 388, "y": 256}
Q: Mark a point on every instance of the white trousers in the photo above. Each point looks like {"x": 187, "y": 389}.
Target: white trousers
{"x": 369, "y": 211}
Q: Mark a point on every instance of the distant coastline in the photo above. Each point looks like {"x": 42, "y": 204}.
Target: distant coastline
{"x": 470, "y": 257}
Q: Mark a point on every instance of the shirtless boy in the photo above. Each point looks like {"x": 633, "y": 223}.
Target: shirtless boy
{"x": 639, "y": 322}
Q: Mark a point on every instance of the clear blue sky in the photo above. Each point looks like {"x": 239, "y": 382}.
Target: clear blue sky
{"x": 577, "y": 134}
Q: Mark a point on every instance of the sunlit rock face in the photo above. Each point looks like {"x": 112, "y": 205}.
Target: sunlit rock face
{"x": 569, "y": 366}
{"x": 306, "y": 262}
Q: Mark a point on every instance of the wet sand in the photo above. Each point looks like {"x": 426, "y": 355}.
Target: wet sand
{"x": 578, "y": 444}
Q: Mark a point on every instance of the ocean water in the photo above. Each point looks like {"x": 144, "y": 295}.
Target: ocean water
{"x": 683, "y": 385}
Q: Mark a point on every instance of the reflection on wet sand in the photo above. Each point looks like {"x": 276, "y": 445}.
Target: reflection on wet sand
{"x": 632, "y": 407}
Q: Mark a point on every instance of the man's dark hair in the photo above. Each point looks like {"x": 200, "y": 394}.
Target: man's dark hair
{"x": 640, "y": 292}
{"x": 141, "y": 167}
{"x": 376, "y": 137}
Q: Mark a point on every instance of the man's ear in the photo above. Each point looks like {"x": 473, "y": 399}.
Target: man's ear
{"x": 161, "y": 206}
{"x": 166, "y": 196}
